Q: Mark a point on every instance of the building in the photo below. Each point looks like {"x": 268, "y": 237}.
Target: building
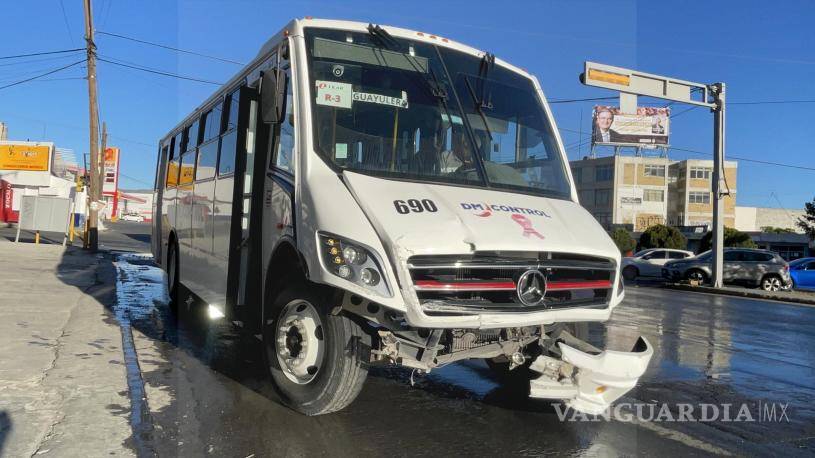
{"x": 137, "y": 201}
{"x": 690, "y": 193}
{"x": 752, "y": 219}
{"x": 27, "y": 168}
{"x": 637, "y": 192}
{"x": 624, "y": 190}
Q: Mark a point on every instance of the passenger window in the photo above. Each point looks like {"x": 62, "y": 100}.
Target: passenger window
{"x": 733, "y": 256}
{"x": 212, "y": 123}
{"x": 187, "y": 175}
{"x": 810, "y": 266}
{"x": 229, "y": 142}
{"x": 192, "y": 136}
{"x": 284, "y": 156}
{"x": 655, "y": 255}
{"x": 677, "y": 255}
{"x": 207, "y": 161}
{"x": 232, "y": 111}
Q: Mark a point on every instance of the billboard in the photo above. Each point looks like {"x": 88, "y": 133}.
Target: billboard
{"x": 25, "y": 156}
{"x": 110, "y": 168}
{"x": 648, "y": 126}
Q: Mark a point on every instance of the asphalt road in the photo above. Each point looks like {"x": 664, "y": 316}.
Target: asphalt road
{"x": 204, "y": 391}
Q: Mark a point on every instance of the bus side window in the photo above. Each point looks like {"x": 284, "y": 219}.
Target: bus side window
{"x": 208, "y": 152}
{"x": 229, "y": 139}
{"x": 173, "y": 161}
{"x": 284, "y": 154}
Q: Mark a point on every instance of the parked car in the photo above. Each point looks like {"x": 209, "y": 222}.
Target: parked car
{"x": 132, "y": 217}
{"x": 802, "y": 272}
{"x": 648, "y": 263}
{"x": 760, "y": 268}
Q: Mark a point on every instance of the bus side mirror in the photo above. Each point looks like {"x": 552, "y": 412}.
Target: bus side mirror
{"x": 269, "y": 99}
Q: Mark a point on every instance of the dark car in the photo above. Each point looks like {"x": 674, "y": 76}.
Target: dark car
{"x": 760, "y": 268}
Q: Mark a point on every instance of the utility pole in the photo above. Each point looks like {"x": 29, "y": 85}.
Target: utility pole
{"x": 102, "y": 162}
{"x": 631, "y": 83}
{"x": 718, "y": 94}
{"x": 94, "y": 188}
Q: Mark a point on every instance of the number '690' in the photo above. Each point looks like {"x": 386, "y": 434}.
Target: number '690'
{"x": 403, "y": 207}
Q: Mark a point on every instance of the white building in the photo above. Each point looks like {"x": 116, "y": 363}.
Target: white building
{"x": 754, "y": 219}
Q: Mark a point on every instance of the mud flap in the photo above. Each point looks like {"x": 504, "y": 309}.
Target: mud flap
{"x": 590, "y": 383}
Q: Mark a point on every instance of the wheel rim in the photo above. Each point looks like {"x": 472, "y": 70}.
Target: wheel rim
{"x": 299, "y": 342}
{"x": 696, "y": 275}
{"x": 772, "y": 284}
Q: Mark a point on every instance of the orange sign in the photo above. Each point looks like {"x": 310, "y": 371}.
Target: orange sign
{"x": 111, "y": 167}
{"x": 25, "y": 157}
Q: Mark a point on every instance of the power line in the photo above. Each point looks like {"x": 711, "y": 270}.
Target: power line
{"x": 135, "y": 179}
{"x": 757, "y": 161}
{"x": 42, "y": 53}
{"x": 43, "y": 74}
{"x": 770, "y": 102}
{"x": 159, "y": 72}
{"x": 746, "y": 102}
{"x": 581, "y": 100}
{"x": 34, "y": 61}
{"x": 67, "y": 25}
{"x": 221, "y": 59}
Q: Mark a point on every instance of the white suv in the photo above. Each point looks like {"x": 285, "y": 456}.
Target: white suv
{"x": 648, "y": 263}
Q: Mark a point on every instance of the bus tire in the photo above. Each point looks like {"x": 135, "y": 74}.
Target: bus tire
{"x": 318, "y": 360}
{"x": 172, "y": 276}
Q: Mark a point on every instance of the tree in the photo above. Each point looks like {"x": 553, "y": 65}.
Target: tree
{"x": 623, "y": 240}
{"x": 662, "y": 236}
{"x": 807, "y": 222}
{"x": 732, "y": 238}
{"x": 776, "y": 230}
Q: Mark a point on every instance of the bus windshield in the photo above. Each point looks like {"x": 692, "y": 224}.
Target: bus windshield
{"x": 399, "y": 109}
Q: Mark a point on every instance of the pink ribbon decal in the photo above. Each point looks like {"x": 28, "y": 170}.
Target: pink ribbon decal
{"x": 526, "y": 223}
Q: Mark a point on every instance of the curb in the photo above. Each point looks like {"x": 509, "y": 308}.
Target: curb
{"x": 740, "y": 293}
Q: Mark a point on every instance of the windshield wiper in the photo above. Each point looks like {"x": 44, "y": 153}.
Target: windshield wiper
{"x": 478, "y": 106}
{"x": 387, "y": 41}
{"x": 382, "y": 36}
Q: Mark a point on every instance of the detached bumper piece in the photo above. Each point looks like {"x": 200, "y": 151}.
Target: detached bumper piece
{"x": 589, "y": 383}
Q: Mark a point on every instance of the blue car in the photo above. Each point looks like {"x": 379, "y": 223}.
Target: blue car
{"x": 802, "y": 272}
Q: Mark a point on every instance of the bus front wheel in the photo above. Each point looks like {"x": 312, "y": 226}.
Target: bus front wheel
{"x": 318, "y": 361}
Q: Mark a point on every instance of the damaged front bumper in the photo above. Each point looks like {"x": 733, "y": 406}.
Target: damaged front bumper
{"x": 589, "y": 382}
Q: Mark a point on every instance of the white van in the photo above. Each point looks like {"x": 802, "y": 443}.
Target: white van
{"x": 363, "y": 195}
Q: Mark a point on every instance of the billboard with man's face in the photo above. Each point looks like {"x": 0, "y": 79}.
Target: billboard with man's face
{"x": 648, "y": 126}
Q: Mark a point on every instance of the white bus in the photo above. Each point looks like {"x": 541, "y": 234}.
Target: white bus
{"x": 362, "y": 195}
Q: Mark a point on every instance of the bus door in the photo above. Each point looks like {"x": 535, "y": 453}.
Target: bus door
{"x": 243, "y": 276}
{"x": 157, "y": 239}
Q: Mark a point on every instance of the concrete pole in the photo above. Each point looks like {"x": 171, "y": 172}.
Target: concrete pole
{"x": 94, "y": 188}
{"x": 718, "y": 90}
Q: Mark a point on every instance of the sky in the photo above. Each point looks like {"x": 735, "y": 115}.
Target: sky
{"x": 763, "y": 52}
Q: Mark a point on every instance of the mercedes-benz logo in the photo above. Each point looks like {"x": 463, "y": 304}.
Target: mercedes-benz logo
{"x": 531, "y": 288}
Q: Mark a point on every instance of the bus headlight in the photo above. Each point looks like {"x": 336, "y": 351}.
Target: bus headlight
{"x": 353, "y": 262}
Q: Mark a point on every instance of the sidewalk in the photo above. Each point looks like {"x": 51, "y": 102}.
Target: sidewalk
{"x": 63, "y": 387}
{"x": 795, "y": 297}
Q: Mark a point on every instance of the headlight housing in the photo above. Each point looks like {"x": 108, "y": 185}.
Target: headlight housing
{"x": 354, "y": 262}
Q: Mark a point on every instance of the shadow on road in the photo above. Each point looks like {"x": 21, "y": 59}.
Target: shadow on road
{"x": 5, "y": 428}
{"x": 213, "y": 384}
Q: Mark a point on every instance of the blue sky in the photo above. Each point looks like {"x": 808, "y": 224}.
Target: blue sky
{"x": 762, "y": 51}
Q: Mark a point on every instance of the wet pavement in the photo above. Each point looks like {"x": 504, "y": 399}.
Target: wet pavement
{"x": 206, "y": 392}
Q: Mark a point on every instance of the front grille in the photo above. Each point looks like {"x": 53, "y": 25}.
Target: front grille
{"x": 486, "y": 282}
